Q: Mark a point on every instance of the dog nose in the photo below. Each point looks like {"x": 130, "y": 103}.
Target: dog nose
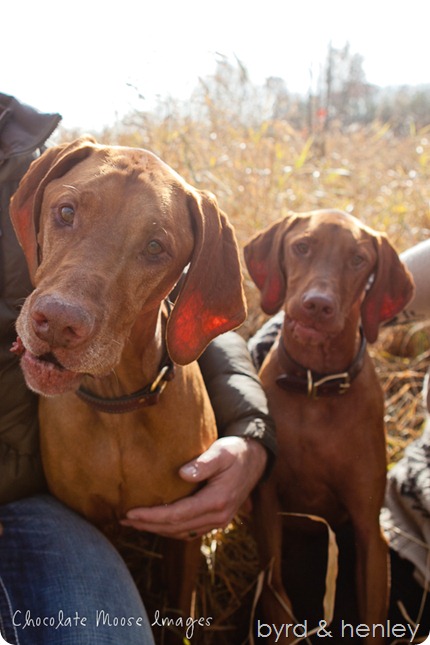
{"x": 60, "y": 323}
{"x": 318, "y": 305}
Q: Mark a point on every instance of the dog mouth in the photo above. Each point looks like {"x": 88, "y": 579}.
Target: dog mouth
{"x": 44, "y": 374}
{"x": 307, "y": 333}
{"x": 50, "y": 358}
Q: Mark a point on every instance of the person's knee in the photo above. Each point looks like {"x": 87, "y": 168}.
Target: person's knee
{"x": 56, "y": 564}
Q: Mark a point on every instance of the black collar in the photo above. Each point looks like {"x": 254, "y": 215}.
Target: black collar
{"x": 305, "y": 381}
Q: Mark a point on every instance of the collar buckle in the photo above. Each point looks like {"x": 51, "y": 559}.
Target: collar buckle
{"x": 340, "y": 382}
{"x": 161, "y": 379}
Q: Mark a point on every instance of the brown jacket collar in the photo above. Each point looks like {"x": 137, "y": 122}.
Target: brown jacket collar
{"x": 22, "y": 128}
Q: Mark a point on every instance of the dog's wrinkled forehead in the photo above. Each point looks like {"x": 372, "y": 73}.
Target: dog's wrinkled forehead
{"x": 137, "y": 160}
{"x": 333, "y": 229}
{"x": 130, "y": 164}
{"x": 113, "y": 175}
{"x": 332, "y": 221}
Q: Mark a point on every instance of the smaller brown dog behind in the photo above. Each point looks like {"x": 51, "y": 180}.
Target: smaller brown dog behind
{"x": 107, "y": 232}
{"x": 330, "y": 274}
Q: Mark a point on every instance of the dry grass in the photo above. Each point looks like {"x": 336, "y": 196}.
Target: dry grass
{"x": 257, "y": 176}
{"x": 401, "y": 370}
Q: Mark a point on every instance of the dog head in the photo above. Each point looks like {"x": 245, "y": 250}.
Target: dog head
{"x": 319, "y": 265}
{"x": 107, "y": 232}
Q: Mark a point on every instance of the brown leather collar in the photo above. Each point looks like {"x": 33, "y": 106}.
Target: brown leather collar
{"x": 305, "y": 381}
{"x": 148, "y": 395}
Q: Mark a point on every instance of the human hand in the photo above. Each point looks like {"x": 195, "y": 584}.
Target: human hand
{"x": 230, "y": 468}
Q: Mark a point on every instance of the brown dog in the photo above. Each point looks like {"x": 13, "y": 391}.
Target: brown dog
{"x": 330, "y": 274}
{"x": 107, "y": 233}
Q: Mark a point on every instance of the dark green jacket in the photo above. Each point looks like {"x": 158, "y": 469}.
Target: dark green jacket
{"x": 22, "y": 132}
{"x": 238, "y": 400}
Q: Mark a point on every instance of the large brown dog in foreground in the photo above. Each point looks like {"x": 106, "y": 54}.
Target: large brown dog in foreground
{"x": 107, "y": 233}
{"x": 336, "y": 281}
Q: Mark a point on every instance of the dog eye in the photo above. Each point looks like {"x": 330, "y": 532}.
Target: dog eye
{"x": 302, "y": 248}
{"x": 67, "y": 214}
{"x": 357, "y": 260}
{"x": 154, "y": 248}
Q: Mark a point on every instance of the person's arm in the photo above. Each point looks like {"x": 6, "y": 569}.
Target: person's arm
{"x": 406, "y": 512}
{"x": 235, "y": 463}
{"x": 417, "y": 260}
{"x": 236, "y": 394}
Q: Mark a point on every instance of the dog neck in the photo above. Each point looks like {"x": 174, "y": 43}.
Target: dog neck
{"x": 325, "y": 366}
{"x": 145, "y": 355}
{"x": 297, "y": 378}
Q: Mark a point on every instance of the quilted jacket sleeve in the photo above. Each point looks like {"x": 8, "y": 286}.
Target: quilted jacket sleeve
{"x": 20, "y": 464}
{"x": 238, "y": 400}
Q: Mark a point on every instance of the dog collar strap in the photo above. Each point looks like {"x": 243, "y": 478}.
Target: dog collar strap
{"x": 149, "y": 395}
{"x": 305, "y": 381}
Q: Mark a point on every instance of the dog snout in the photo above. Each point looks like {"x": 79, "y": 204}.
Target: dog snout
{"x": 319, "y": 306}
{"x": 60, "y": 323}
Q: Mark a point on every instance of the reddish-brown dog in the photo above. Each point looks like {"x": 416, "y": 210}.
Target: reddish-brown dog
{"x": 336, "y": 281}
{"x": 107, "y": 233}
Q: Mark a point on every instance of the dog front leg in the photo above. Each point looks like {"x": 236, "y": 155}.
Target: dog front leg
{"x": 182, "y": 560}
{"x": 274, "y": 609}
{"x": 372, "y": 580}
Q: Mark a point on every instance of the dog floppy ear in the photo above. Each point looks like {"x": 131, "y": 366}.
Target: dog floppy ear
{"x": 26, "y": 202}
{"x": 391, "y": 290}
{"x": 264, "y": 260}
{"x": 211, "y": 300}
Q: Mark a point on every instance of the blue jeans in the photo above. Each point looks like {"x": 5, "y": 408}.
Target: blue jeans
{"x": 62, "y": 582}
